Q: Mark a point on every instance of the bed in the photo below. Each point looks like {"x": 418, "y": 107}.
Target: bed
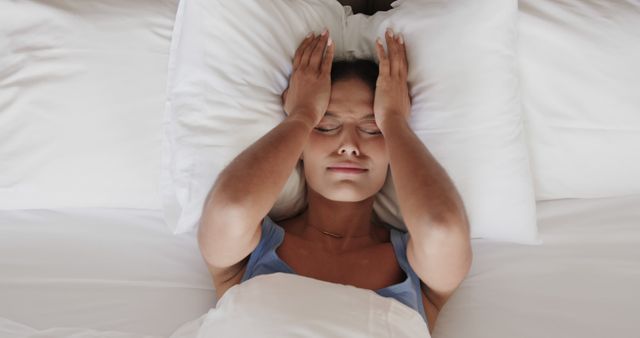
{"x": 67, "y": 270}
{"x": 74, "y": 263}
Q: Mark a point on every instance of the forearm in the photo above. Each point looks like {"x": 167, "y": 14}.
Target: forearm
{"x": 426, "y": 195}
{"x": 251, "y": 183}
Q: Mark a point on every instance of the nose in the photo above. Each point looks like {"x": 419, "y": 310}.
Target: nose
{"x": 348, "y": 144}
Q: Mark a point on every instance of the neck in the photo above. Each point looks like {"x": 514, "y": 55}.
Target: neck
{"x": 350, "y": 220}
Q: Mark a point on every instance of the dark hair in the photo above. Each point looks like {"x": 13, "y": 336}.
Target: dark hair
{"x": 363, "y": 69}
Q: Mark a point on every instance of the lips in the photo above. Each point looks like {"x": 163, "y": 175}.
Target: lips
{"x": 346, "y": 165}
{"x": 346, "y": 168}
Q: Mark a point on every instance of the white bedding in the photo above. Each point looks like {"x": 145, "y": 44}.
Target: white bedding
{"x": 581, "y": 282}
{"x": 283, "y": 305}
{"x": 81, "y": 98}
{"x": 105, "y": 269}
{"x": 120, "y": 270}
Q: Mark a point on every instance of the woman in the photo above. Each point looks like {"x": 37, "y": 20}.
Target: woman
{"x": 351, "y": 116}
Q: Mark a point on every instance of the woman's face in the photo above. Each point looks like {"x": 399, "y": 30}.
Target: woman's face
{"x": 347, "y": 133}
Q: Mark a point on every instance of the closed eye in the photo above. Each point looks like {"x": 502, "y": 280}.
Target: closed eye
{"x": 323, "y": 130}
{"x": 374, "y": 133}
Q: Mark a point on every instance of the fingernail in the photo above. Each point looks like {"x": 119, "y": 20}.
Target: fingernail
{"x": 329, "y": 42}
{"x": 309, "y": 35}
{"x": 379, "y": 41}
{"x": 390, "y": 32}
{"x": 401, "y": 39}
{"x": 324, "y": 32}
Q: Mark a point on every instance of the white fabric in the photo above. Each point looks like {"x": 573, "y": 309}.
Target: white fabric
{"x": 581, "y": 283}
{"x": 82, "y": 88}
{"x": 581, "y": 95}
{"x": 12, "y": 329}
{"x": 286, "y": 305}
{"x": 223, "y": 99}
{"x": 104, "y": 269}
{"x": 230, "y": 62}
{"x": 465, "y": 105}
{"x": 119, "y": 270}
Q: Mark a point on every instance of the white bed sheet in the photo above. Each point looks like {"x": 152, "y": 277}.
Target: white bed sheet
{"x": 104, "y": 269}
{"x": 121, "y": 270}
{"x": 583, "y": 281}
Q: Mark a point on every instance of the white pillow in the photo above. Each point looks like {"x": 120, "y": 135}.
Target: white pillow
{"x": 465, "y": 105}
{"x": 230, "y": 62}
{"x": 463, "y": 54}
{"x": 580, "y": 73}
{"x": 82, "y": 92}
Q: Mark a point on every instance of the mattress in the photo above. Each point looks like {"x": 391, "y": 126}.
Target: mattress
{"x": 581, "y": 282}
{"x": 103, "y": 269}
{"x": 120, "y": 273}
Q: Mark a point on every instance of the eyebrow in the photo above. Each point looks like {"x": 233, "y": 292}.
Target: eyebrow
{"x": 328, "y": 113}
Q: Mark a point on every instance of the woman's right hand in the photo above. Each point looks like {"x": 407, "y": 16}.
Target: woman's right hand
{"x": 307, "y": 96}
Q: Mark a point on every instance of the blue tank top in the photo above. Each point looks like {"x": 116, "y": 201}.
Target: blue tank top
{"x": 265, "y": 260}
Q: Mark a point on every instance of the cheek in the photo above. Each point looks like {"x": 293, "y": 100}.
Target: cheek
{"x": 317, "y": 146}
{"x": 379, "y": 147}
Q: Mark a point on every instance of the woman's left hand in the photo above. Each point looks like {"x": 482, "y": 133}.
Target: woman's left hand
{"x": 392, "y": 90}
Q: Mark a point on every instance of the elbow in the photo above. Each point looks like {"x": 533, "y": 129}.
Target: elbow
{"x": 449, "y": 234}
{"x": 221, "y": 232}
{"x": 455, "y": 232}
{"x": 455, "y": 228}
{"x": 220, "y": 218}
{"x": 447, "y": 225}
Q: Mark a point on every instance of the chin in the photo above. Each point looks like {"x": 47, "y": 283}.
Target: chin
{"x": 346, "y": 195}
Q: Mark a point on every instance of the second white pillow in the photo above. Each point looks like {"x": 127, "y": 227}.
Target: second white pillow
{"x": 581, "y": 96}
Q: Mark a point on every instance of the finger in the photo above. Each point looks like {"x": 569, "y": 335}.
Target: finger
{"x": 306, "y": 54}
{"x": 397, "y": 67}
{"x": 328, "y": 57}
{"x": 404, "y": 64}
{"x": 304, "y": 49}
{"x": 318, "y": 50}
{"x": 383, "y": 60}
{"x": 298, "y": 55}
{"x": 393, "y": 52}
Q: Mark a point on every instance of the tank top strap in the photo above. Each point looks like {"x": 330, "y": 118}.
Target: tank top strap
{"x": 399, "y": 240}
{"x": 268, "y": 239}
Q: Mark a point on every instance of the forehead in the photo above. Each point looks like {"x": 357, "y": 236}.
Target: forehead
{"x": 350, "y": 98}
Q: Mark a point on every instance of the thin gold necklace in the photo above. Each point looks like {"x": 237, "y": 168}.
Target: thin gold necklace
{"x": 335, "y": 235}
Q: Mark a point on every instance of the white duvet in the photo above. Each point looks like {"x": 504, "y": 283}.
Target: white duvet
{"x": 286, "y": 305}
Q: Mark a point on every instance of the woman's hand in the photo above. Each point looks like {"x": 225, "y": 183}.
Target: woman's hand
{"x": 392, "y": 91}
{"x": 309, "y": 90}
